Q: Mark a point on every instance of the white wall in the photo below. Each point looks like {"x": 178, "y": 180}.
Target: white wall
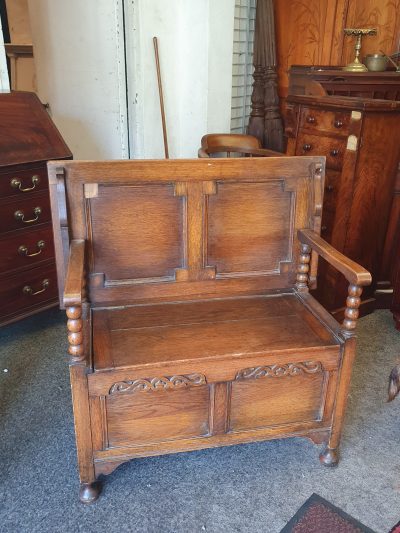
{"x": 79, "y": 56}
{"x": 196, "y": 46}
{"x": 79, "y": 50}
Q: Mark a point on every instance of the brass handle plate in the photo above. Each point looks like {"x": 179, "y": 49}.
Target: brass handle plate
{"x": 334, "y": 152}
{"x": 307, "y": 147}
{"x": 28, "y": 289}
{"x": 310, "y": 119}
{"x": 16, "y": 183}
{"x": 20, "y": 216}
{"x": 338, "y": 124}
{"x": 23, "y": 250}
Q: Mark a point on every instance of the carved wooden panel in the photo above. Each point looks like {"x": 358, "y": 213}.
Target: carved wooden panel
{"x": 280, "y": 370}
{"x": 164, "y": 382}
{"x": 249, "y": 227}
{"x": 158, "y": 416}
{"x": 136, "y": 231}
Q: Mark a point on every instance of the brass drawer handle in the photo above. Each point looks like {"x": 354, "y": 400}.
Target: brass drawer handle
{"x": 338, "y": 124}
{"x": 23, "y": 250}
{"x": 17, "y": 184}
{"x": 334, "y": 153}
{"x": 19, "y": 215}
{"x": 28, "y": 289}
{"x": 310, "y": 119}
{"x": 307, "y": 147}
{"x": 329, "y": 188}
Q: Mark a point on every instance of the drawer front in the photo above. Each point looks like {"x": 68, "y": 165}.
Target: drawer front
{"x": 23, "y": 183}
{"x": 27, "y": 290}
{"x": 330, "y": 147}
{"x": 25, "y": 213}
{"x": 25, "y": 249}
{"x": 325, "y": 121}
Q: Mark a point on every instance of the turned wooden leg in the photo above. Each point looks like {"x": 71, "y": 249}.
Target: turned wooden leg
{"x": 89, "y": 489}
{"x": 89, "y": 492}
{"x": 329, "y": 457}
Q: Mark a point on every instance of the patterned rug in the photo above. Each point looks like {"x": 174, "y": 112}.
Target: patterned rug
{"x": 317, "y": 515}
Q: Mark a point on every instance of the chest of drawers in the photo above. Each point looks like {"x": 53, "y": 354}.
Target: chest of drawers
{"x": 360, "y": 139}
{"x": 28, "y": 139}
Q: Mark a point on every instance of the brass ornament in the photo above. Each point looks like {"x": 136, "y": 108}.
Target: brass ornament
{"x": 359, "y": 33}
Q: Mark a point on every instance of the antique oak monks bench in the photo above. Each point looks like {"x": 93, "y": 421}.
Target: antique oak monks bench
{"x": 190, "y": 324}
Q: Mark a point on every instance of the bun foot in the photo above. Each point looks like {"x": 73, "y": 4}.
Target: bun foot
{"x": 89, "y": 492}
{"x": 329, "y": 457}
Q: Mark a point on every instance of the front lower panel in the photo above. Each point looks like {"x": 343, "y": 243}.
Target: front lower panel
{"x": 163, "y": 414}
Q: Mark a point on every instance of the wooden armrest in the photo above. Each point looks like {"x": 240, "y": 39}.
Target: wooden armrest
{"x": 353, "y": 272}
{"x": 74, "y": 279}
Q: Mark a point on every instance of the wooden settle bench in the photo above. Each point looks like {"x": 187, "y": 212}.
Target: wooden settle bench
{"x": 190, "y": 322}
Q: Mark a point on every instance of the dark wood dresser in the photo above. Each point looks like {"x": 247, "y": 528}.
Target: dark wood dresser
{"x": 360, "y": 139}
{"x": 321, "y": 80}
{"x": 28, "y": 139}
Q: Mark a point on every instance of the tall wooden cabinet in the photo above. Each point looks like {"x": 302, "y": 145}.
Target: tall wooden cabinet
{"x": 28, "y": 139}
{"x": 360, "y": 139}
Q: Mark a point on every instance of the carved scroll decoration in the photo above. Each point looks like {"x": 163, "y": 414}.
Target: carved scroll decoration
{"x": 278, "y": 371}
{"x": 161, "y": 383}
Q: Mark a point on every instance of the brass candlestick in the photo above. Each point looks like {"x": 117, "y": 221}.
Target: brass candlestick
{"x": 356, "y": 65}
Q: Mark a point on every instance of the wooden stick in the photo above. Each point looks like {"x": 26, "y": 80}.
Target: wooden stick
{"x": 160, "y": 91}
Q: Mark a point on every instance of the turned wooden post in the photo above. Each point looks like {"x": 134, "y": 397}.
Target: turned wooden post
{"x": 330, "y": 456}
{"x": 351, "y": 312}
{"x": 303, "y": 268}
{"x": 273, "y": 126}
{"x": 75, "y": 335}
{"x": 265, "y": 121}
{"x": 76, "y": 347}
{"x": 256, "y": 120}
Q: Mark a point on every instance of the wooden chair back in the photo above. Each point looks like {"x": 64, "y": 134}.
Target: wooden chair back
{"x": 185, "y": 229}
{"x": 232, "y": 143}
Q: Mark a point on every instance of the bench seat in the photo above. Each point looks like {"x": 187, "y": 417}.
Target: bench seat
{"x": 171, "y": 332}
